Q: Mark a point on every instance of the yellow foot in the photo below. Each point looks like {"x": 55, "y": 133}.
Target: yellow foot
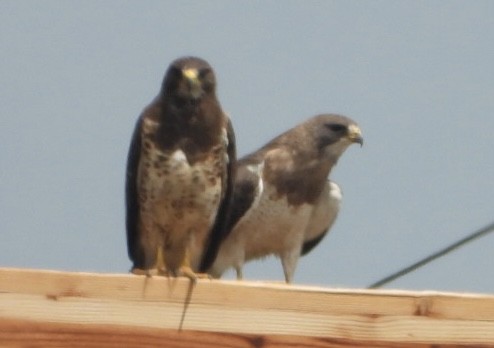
{"x": 186, "y": 271}
{"x": 162, "y": 271}
{"x": 146, "y": 272}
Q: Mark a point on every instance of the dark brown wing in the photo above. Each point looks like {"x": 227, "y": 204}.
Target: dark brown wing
{"x": 131, "y": 198}
{"x": 219, "y": 230}
{"x": 324, "y": 214}
{"x": 311, "y": 244}
{"x": 245, "y": 190}
{"x": 244, "y": 194}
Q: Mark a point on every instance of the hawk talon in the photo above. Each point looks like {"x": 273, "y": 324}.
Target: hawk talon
{"x": 162, "y": 271}
{"x": 186, "y": 271}
{"x": 145, "y": 272}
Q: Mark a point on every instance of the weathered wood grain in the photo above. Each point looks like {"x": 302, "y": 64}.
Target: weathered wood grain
{"x": 47, "y": 308}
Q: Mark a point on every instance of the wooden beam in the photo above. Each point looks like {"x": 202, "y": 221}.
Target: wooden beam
{"x": 50, "y": 308}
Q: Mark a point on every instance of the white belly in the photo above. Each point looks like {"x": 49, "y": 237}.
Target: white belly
{"x": 273, "y": 227}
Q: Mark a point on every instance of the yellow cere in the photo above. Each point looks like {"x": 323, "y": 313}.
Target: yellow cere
{"x": 191, "y": 74}
{"x": 354, "y": 131}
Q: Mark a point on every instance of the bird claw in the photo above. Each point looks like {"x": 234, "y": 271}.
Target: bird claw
{"x": 146, "y": 272}
{"x": 193, "y": 276}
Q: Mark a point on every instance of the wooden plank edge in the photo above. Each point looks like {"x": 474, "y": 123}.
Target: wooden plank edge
{"x": 17, "y": 333}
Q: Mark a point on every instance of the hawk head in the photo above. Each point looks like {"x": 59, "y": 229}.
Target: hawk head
{"x": 334, "y": 133}
{"x": 188, "y": 80}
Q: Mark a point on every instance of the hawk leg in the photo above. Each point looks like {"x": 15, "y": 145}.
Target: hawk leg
{"x": 289, "y": 261}
{"x": 159, "y": 267}
{"x": 186, "y": 270}
{"x": 238, "y": 270}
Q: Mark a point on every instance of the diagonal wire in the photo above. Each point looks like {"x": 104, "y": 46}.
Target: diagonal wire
{"x": 471, "y": 237}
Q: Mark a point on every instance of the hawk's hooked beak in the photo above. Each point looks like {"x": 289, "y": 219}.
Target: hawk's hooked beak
{"x": 355, "y": 135}
{"x": 192, "y": 77}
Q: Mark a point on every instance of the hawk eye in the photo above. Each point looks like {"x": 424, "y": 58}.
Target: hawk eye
{"x": 335, "y": 127}
{"x": 207, "y": 78}
{"x": 203, "y": 72}
{"x": 175, "y": 71}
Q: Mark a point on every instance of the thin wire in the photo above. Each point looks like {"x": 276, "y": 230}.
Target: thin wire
{"x": 477, "y": 234}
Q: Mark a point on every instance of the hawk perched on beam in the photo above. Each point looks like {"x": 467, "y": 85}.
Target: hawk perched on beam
{"x": 179, "y": 173}
{"x": 283, "y": 203}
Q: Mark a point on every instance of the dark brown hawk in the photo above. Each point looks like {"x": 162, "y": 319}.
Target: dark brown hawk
{"x": 179, "y": 174}
{"x": 283, "y": 203}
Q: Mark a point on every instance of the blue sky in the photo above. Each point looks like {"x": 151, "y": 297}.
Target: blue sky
{"x": 418, "y": 76}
